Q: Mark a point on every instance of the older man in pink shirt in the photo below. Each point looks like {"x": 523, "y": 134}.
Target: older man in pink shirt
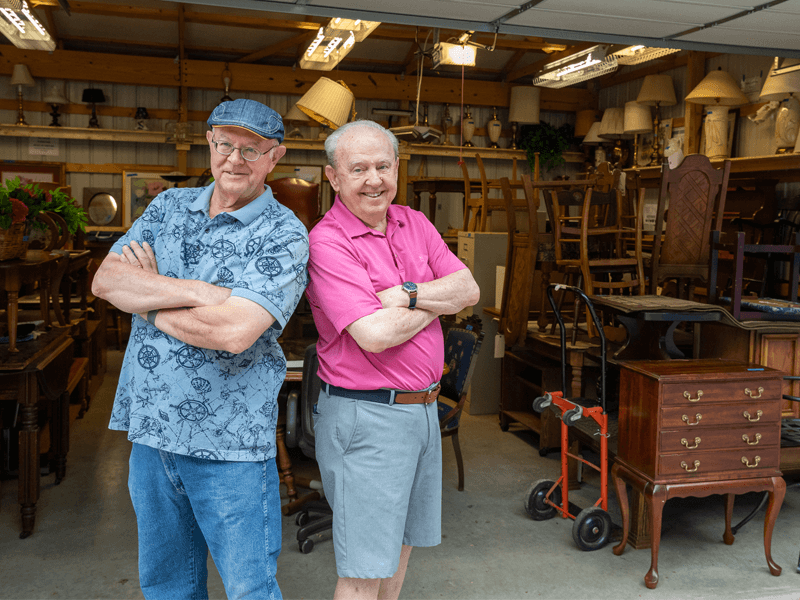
{"x": 380, "y": 277}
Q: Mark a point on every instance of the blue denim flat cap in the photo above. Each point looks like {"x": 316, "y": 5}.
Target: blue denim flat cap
{"x": 250, "y": 115}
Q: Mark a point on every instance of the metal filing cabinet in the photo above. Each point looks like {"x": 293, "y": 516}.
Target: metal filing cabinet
{"x": 482, "y": 253}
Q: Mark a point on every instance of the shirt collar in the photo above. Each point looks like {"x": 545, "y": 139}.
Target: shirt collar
{"x": 245, "y": 215}
{"x": 354, "y": 227}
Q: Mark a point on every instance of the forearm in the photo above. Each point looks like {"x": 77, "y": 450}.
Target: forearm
{"x": 136, "y": 290}
{"x": 233, "y": 326}
{"x": 444, "y": 296}
{"x": 389, "y": 327}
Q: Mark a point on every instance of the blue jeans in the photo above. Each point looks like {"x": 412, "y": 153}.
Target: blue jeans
{"x": 186, "y": 506}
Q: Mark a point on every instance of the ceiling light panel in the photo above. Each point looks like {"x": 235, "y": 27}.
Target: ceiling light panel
{"x": 443, "y": 9}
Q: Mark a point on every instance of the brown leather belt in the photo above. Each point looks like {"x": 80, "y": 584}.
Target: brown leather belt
{"x": 385, "y": 396}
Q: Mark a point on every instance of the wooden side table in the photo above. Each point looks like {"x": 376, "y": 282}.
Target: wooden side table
{"x": 696, "y": 428}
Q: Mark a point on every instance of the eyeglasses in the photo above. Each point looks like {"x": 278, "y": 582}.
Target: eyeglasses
{"x": 249, "y": 154}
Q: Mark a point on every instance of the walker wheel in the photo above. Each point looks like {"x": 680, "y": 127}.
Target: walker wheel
{"x": 306, "y": 546}
{"x": 591, "y": 529}
{"x": 302, "y": 518}
{"x": 572, "y": 416}
{"x": 542, "y": 402}
{"x": 535, "y": 504}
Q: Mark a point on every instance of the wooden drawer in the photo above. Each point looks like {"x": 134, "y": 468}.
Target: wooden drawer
{"x": 762, "y": 461}
{"x": 741, "y": 438}
{"x": 698, "y": 393}
{"x": 698, "y": 417}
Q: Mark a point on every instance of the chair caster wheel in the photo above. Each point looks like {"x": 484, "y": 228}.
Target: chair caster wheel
{"x": 306, "y": 546}
{"x": 302, "y": 519}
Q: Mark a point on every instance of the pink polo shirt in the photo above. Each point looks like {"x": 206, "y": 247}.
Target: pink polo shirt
{"x": 348, "y": 264}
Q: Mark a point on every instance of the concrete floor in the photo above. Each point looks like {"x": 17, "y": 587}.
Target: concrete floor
{"x": 84, "y": 544}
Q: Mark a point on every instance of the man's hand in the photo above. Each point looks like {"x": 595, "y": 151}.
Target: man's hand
{"x": 140, "y": 256}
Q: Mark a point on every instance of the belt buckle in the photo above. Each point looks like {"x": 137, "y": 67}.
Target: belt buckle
{"x": 392, "y": 394}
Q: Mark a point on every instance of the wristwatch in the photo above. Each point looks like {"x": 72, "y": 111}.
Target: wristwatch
{"x": 411, "y": 289}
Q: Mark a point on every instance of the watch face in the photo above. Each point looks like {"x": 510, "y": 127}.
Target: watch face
{"x": 410, "y": 286}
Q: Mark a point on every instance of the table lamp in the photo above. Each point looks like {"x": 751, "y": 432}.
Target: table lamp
{"x": 467, "y": 127}
{"x": 21, "y": 77}
{"x": 523, "y": 108}
{"x": 331, "y": 103}
{"x": 493, "y": 129}
{"x": 658, "y": 91}
{"x": 93, "y": 96}
{"x": 55, "y": 98}
{"x": 612, "y": 127}
{"x": 636, "y": 121}
{"x": 784, "y": 87}
{"x": 717, "y": 91}
{"x": 593, "y": 139}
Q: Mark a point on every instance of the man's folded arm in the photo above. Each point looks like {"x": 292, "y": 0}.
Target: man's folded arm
{"x": 389, "y": 327}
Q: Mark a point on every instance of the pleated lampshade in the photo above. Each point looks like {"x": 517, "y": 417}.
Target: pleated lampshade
{"x": 717, "y": 88}
{"x": 781, "y": 86}
{"x": 592, "y": 138}
{"x": 329, "y": 102}
{"x": 657, "y": 90}
{"x": 637, "y": 118}
{"x": 612, "y": 127}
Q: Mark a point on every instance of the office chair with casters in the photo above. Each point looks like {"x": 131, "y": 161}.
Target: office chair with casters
{"x": 461, "y": 346}
{"x": 315, "y": 514}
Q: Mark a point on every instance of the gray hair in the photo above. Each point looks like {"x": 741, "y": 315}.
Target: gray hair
{"x": 332, "y": 141}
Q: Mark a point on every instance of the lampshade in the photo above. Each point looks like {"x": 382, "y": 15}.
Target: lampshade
{"x": 584, "y": 120}
{"x": 93, "y": 96}
{"x": 780, "y": 87}
{"x": 329, "y": 102}
{"x": 717, "y": 88}
{"x": 637, "y": 118}
{"x": 295, "y": 114}
{"x": 22, "y": 76}
{"x": 612, "y": 127}
{"x": 657, "y": 90}
{"x": 592, "y": 138}
{"x": 524, "y": 104}
{"x": 55, "y": 93}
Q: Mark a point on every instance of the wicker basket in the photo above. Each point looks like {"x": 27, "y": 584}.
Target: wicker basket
{"x": 11, "y": 242}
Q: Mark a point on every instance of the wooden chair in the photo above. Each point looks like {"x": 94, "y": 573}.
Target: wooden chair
{"x": 461, "y": 346}
{"x": 477, "y": 208}
{"x": 695, "y": 192}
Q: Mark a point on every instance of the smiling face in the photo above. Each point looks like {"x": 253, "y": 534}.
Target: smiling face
{"x": 239, "y": 181}
{"x": 365, "y": 176}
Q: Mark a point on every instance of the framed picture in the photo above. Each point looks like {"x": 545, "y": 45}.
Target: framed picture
{"x": 34, "y": 172}
{"x": 646, "y": 141}
{"x": 138, "y": 190}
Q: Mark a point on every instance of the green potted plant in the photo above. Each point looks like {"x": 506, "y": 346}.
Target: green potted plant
{"x": 548, "y": 141}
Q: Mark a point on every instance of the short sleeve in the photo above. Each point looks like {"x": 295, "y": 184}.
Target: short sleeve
{"x": 441, "y": 259}
{"x": 147, "y": 227}
{"x": 276, "y": 274}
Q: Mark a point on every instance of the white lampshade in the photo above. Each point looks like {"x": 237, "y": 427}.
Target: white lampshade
{"x": 329, "y": 102}
{"x": 717, "y": 88}
{"x": 637, "y": 118}
{"x": 22, "y": 76}
{"x": 524, "y": 104}
{"x": 592, "y": 138}
{"x": 781, "y": 86}
{"x": 612, "y": 127}
{"x": 295, "y": 114}
{"x": 55, "y": 94}
{"x": 657, "y": 90}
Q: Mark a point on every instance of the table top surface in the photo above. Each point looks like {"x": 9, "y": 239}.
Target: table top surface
{"x": 31, "y": 352}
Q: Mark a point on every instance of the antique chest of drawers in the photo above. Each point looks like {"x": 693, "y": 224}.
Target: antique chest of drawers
{"x": 696, "y": 428}
{"x": 700, "y": 419}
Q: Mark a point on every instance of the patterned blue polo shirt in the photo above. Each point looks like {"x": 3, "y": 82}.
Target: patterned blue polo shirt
{"x": 208, "y": 403}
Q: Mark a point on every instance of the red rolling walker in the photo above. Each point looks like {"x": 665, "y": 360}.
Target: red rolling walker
{"x": 592, "y": 527}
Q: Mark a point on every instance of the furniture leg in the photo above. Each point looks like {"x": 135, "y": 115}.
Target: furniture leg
{"x": 622, "y": 499}
{"x": 573, "y": 483}
{"x": 432, "y": 207}
{"x": 656, "y": 498}
{"x": 547, "y": 270}
{"x": 459, "y": 461}
{"x": 417, "y": 200}
{"x": 13, "y": 304}
{"x": 576, "y": 362}
{"x": 775, "y": 500}
{"x": 28, "y": 456}
{"x": 727, "y": 536}
{"x": 284, "y": 463}
{"x": 59, "y": 426}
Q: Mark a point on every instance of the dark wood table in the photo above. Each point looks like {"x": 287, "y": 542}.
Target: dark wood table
{"x": 36, "y": 266}
{"x": 38, "y": 366}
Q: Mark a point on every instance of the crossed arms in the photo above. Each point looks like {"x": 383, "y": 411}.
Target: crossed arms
{"x": 195, "y": 312}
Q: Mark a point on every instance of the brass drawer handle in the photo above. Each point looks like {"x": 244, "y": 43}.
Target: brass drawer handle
{"x": 746, "y": 438}
{"x": 685, "y": 442}
{"x": 747, "y": 416}
{"x": 752, "y": 394}
{"x": 697, "y": 417}
{"x": 686, "y": 468}
{"x": 688, "y": 396}
{"x": 747, "y": 464}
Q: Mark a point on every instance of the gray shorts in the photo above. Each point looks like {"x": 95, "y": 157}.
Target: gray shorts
{"x": 381, "y": 470}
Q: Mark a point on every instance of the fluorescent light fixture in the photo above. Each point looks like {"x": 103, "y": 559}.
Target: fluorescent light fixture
{"x": 334, "y": 41}
{"x": 583, "y": 65}
{"x": 446, "y": 53}
{"x": 633, "y": 55}
{"x": 22, "y": 28}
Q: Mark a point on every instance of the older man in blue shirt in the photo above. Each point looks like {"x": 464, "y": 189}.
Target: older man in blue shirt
{"x": 212, "y": 275}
